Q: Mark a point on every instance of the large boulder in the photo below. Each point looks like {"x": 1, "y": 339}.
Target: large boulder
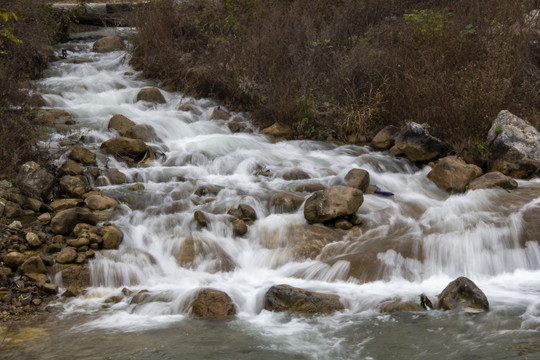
{"x": 333, "y": 203}
{"x": 134, "y": 149}
{"x": 109, "y": 43}
{"x": 453, "y": 174}
{"x": 358, "y": 179}
{"x": 73, "y": 186}
{"x": 82, "y": 155}
{"x": 14, "y": 259}
{"x": 66, "y": 256}
{"x": 285, "y": 203}
{"x": 64, "y": 222}
{"x": 415, "y": 142}
{"x": 493, "y": 179}
{"x": 152, "y": 95}
{"x": 385, "y": 139}
{"x": 34, "y": 181}
{"x": 287, "y": 298}
{"x": 211, "y": 303}
{"x": 514, "y": 146}
{"x": 120, "y": 123}
{"x": 142, "y": 132}
{"x": 71, "y": 167}
{"x": 463, "y": 293}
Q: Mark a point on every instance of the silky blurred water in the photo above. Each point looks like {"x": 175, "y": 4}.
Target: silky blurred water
{"x": 422, "y": 237}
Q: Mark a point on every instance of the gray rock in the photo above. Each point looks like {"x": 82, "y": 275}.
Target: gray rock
{"x": 34, "y": 181}
{"x": 463, "y": 293}
{"x": 514, "y": 146}
{"x": 415, "y": 142}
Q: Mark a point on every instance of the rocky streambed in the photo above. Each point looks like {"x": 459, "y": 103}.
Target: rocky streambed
{"x": 160, "y": 209}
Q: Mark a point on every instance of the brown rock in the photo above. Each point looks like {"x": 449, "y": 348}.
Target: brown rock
{"x": 453, "y": 174}
{"x": 285, "y": 203}
{"x": 50, "y": 288}
{"x": 201, "y": 218}
{"x": 296, "y": 174}
{"x": 120, "y": 123}
{"x": 82, "y": 155}
{"x": 64, "y": 204}
{"x": 278, "y": 130}
{"x": 239, "y": 227}
{"x": 397, "y": 305}
{"x": 142, "y": 132}
{"x": 13, "y": 259}
{"x": 335, "y": 202}
{"x": 112, "y": 237}
{"x": 152, "y": 95}
{"x": 462, "y": 292}
{"x": 33, "y": 240}
{"x": 220, "y": 114}
{"x": 134, "y": 149}
{"x": 385, "y": 138}
{"x": 358, "y": 179}
{"x": 64, "y": 222}
{"x": 211, "y": 303}
{"x": 109, "y": 43}
{"x": 71, "y": 167}
{"x": 33, "y": 264}
{"x": 100, "y": 202}
{"x": 66, "y": 256}
{"x": 76, "y": 276}
{"x": 491, "y": 180}
{"x": 78, "y": 242}
{"x": 12, "y": 210}
{"x": 415, "y": 142}
{"x": 73, "y": 186}
{"x": 115, "y": 176}
{"x": 288, "y": 298}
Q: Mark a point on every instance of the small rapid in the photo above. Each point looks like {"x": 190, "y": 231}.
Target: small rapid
{"x": 414, "y": 242}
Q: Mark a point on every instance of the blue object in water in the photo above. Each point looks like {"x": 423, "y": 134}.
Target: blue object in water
{"x": 378, "y": 191}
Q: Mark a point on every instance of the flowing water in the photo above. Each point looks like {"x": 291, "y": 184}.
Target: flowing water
{"x": 421, "y": 239}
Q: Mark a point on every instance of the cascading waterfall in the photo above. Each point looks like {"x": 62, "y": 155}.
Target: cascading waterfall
{"x": 422, "y": 237}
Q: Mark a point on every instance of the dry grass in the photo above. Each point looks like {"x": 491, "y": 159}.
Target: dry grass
{"x": 344, "y": 69}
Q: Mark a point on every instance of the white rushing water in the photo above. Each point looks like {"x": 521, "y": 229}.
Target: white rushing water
{"x": 422, "y": 237}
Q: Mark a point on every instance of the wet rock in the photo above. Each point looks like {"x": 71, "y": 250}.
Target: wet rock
{"x": 142, "y": 132}
{"x": 285, "y": 203}
{"x": 78, "y": 242}
{"x": 109, "y": 43}
{"x": 33, "y": 240}
{"x": 152, "y": 95}
{"x": 358, "y": 179}
{"x": 73, "y": 186}
{"x": 33, "y": 264}
{"x": 134, "y": 149}
{"x": 82, "y": 155}
{"x": 288, "y": 298}
{"x": 120, "y": 123}
{"x": 244, "y": 212}
{"x": 303, "y": 241}
{"x": 333, "y": 203}
{"x": 76, "y": 276}
{"x": 239, "y": 227}
{"x": 37, "y": 101}
{"x": 194, "y": 248}
{"x": 211, "y": 303}
{"x": 278, "y": 130}
{"x": 310, "y": 188}
{"x": 115, "y": 176}
{"x": 100, "y": 202}
{"x": 398, "y": 305}
{"x": 514, "y": 146}
{"x": 417, "y": 144}
{"x": 202, "y": 218}
{"x": 463, "y": 293}
{"x": 13, "y": 259}
{"x": 64, "y": 222}
{"x": 66, "y": 256}
{"x": 112, "y": 237}
{"x": 50, "y": 288}
{"x": 385, "y": 138}
{"x": 64, "y": 204}
{"x": 296, "y": 174}
{"x": 493, "y": 179}
{"x": 38, "y": 279}
{"x": 208, "y": 190}
{"x": 82, "y": 229}
{"x": 34, "y": 181}
{"x": 220, "y": 114}
{"x": 52, "y": 116}
{"x": 453, "y": 174}
{"x": 71, "y": 167}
